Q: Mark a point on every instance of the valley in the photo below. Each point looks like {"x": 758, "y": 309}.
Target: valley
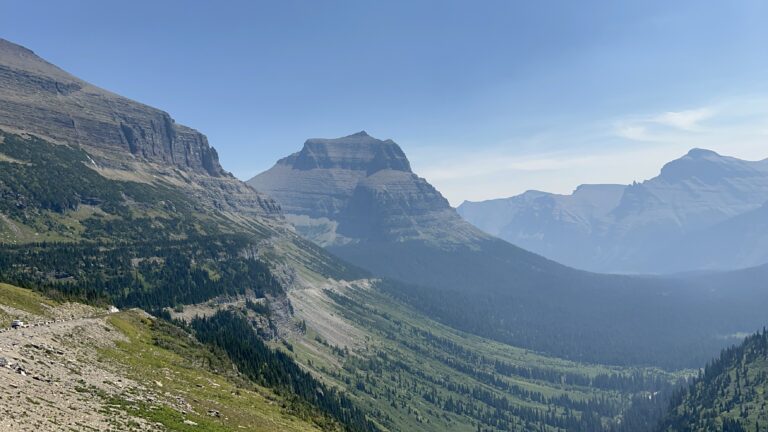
{"x": 336, "y": 291}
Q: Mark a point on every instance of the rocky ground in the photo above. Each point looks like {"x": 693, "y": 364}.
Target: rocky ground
{"x": 79, "y": 368}
{"x": 50, "y": 373}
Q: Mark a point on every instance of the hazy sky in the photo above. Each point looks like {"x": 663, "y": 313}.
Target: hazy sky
{"x": 487, "y": 98}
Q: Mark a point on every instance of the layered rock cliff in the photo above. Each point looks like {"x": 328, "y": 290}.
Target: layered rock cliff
{"x": 359, "y": 188}
{"x": 126, "y": 139}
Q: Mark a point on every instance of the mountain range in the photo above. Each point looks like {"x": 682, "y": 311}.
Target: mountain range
{"x": 358, "y": 197}
{"x": 230, "y": 320}
{"x": 339, "y": 291}
{"x": 703, "y": 212}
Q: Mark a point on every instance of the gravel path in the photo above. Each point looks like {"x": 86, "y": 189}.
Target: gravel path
{"x": 51, "y": 372}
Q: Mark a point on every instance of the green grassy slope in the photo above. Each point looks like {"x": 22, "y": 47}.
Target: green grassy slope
{"x": 168, "y": 360}
{"x": 157, "y": 352}
{"x": 731, "y": 395}
{"x": 416, "y": 374}
{"x": 23, "y": 300}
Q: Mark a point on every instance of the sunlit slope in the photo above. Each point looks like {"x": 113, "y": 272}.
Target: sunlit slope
{"x": 122, "y": 372}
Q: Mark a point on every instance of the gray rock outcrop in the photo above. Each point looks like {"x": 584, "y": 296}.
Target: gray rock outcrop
{"x": 359, "y": 188}
{"x": 126, "y": 139}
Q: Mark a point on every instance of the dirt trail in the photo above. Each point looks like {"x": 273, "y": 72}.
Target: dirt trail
{"x": 49, "y": 373}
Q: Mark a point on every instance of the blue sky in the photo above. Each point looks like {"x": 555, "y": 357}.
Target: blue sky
{"x": 487, "y": 98}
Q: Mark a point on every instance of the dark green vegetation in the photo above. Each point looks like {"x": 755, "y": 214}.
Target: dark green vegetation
{"x": 730, "y": 395}
{"x": 53, "y": 190}
{"x": 415, "y": 374}
{"x": 497, "y": 290}
{"x": 235, "y": 336}
{"x": 149, "y": 275}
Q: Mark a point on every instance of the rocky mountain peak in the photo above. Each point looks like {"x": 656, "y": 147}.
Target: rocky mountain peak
{"x": 7, "y": 47}
{"x": 358, "y": 188}
{"x": 706, "y": 166}
{"x": 357, "y": 152}
{"x": 699, "y": 153}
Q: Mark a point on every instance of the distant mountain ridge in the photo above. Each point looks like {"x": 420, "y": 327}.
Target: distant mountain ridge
{"x": 657, "y": 226}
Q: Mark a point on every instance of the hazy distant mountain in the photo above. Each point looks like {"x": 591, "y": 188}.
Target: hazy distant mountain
{"x": 737, "y": 242}
{"x": 543, "y": 223}
{"x": 694, "y": 216}
{"x": 358, "y": 196}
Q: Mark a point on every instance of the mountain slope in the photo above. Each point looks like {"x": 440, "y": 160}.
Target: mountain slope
{"x": 86, "y": 369}
{"x": 93, "y": 222}
{"x": 405, "y": 230}
{"x": 421, "y": 375}
{"x": 730, "y": 395}
{"x": 741, "y": 241}
{"x": 656, "y": 226}
{"x": 125, "y": 140}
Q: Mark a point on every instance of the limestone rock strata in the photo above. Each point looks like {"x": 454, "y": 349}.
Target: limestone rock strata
{"x": 359, "y": 188}
{"x": 124, "y": 137}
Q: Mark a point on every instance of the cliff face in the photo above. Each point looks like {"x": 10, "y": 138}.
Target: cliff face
{"x": 358, "y": 188}
{"x": 39, "y": 98}
{"x": 126, "y": 139}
